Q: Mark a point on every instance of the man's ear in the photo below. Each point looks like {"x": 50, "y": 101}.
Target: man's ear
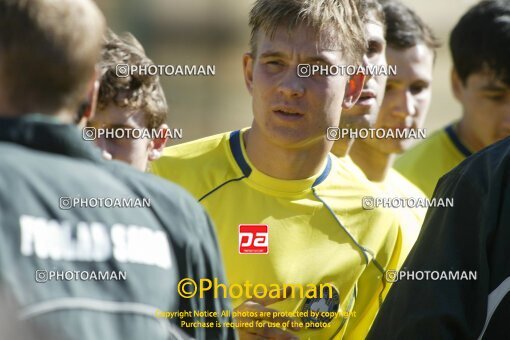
{"x": 88, "y": 108}
{"x": 248, "y": 71}
{"x": 353, "y": 90}
{"x": 457, "y": 85}
{"x": 158, "y": 144}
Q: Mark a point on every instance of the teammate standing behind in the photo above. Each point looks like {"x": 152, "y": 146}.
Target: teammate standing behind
{"x": 481, "y": 83}
{"x": 360, "y": 116}
{"x": 133, "y": 102}
{"x": 46, "y": 165}
{"x": 279, "y": 174}
{"x": 411, "y": 48}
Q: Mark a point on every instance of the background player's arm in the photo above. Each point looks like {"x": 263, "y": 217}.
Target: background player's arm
{"x": 452, "y": 239}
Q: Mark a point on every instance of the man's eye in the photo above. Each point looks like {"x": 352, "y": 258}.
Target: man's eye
{"x": 274, "y": 62}
{"x": 497, "y": 98}
{"x": 373, "y": 48}
{"x": 417, "y": 89}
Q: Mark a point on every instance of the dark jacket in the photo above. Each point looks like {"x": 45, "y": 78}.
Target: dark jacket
{"x": 472, "y": 239}
{"x": 153, "y": 247}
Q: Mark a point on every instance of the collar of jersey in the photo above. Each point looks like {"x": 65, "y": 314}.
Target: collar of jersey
{"x": 454, "y": 138}
{"x": 46, "y": 133}
{"x": 268, "y": 184}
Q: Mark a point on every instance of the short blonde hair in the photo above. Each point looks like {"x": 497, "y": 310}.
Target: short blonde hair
{"x": 336, "y": 22}
{"x": 48, "y": 52}
{"x": 136, "y": 91}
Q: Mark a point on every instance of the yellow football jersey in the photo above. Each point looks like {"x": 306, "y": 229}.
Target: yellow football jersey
{"x": 410, "y": 219}
{"x": 317, "y": 230}
{"x": 353, "y": 168}
{"x": 396, "y": 185}
{"x": 429, "y": 160}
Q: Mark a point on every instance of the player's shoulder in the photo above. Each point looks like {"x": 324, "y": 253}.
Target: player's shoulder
{"x": 16, "y": 155}
{"x": 23, "y": 164}
{"x": 195, "y": 154}
{"x": 424, "y": 150}
{"x": 166, "y": 197}
{"x": 346, "y": 176}
{"x": 199, "y": 166}
{"x": 486, "y": 166}
{"x": 17, "y": 164}
{"x": 347, "y": 187}
{"x": 427, "y": 161}
{"x": 347, "y": 167}
{"x": 402, "y": 185}
{"x": 480, "y": 188}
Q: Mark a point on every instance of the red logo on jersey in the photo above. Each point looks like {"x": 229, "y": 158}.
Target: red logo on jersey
{"x": 253, "y": 239}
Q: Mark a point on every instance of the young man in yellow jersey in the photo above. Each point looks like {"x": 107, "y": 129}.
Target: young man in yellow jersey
{"x": 286, "y": 211}
{"x": 411, "y": 48}
{"x": 481, "y": 83}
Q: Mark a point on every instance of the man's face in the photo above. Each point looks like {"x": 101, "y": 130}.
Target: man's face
{"x": 407, "y": 96}
{"x": 132, "y": 151}
{"x": 363, "y": 113}
{"x": 486, "y": 104}
{"x": 289, "y": 110}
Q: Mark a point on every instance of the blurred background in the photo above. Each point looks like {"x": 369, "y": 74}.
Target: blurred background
{"x": 215, "y": 32}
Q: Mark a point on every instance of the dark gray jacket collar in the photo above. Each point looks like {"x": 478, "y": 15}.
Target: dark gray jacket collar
{"x": 45, "y": 133}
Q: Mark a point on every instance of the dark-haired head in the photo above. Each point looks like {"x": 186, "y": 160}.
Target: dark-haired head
{"x": 481, "y": 41}
{"x": 371, "y": 10}
{"x": 404, "y": 28}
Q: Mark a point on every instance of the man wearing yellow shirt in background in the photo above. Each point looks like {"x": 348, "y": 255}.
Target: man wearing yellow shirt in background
{"x": 360, "y": 116}
{"x": 479, "y": 81}
{"x": 286, "y": 211}
{"x": 411, "y": 48}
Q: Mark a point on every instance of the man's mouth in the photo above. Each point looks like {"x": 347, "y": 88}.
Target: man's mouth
{"x": 287, "y": 112}
{"x": 366, "y": 98}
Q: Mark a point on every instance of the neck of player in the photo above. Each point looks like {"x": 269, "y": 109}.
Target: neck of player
{"x": 284, "y": 163}
{"x": 468, "y": 137}
{"x": 373, "y": 162}
{"x": 342, "y": 147}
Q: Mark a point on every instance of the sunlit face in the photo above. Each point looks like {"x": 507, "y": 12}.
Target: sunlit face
{"x": 362, "y": 114}
{"x": 292, "y": 111}
{"x": 407, "y": 96}
{"x": 132, "y": 151}
{"x": 486, "y": 108}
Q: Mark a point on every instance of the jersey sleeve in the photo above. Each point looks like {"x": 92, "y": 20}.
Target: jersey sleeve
{"x": 452, "y": 239}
